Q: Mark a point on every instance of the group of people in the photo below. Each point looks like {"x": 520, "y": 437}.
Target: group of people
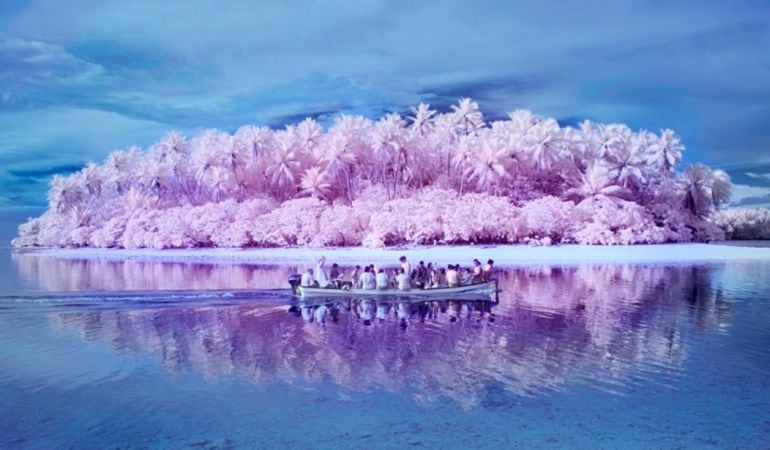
{"x": 404, "y": 277}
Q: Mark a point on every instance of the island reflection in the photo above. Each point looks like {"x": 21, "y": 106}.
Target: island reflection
{"x": 599, "y": 325}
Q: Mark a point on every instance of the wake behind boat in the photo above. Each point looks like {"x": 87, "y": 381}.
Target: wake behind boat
{"x": 485, "y": 287}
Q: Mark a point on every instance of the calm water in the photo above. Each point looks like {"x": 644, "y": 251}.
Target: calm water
{"x": 113, "y": 355}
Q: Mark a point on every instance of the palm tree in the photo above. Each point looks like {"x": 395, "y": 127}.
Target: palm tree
{"x": 208, "y": 151}
{"x": 258, "y": 142}
{"x": 468, "y": 118}
{"x": 308, "y": 134}
{"x": 488, "y": 166}
{"x": 421, "y": 119}
{"x": 315, "y": 183}
{"x": 465, "y": 150}
{"x": 627, "y": 163}
{"x": 236, "y": 159}
{"x": 93, "y": 177}
{"x": 697, "y": 183}
{"x": 522, "y": 120}
{"x": 666, "y": 151}
{"x": 65, "y": 193}
{"x": 721, "y": 187}
{"x": 389, "y": 151}
{"x": 615, "y": 138}
{"x": 596, "y": 181}
{"x": 282, "y": 171}
{"x": 545, "y": 148}
{"x": 172, "y": 145}
{"x": 339, "y": 160}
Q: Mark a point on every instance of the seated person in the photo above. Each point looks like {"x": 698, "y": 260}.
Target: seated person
{"x": 436, "y": 278}
{"x": 382, "y": 280}
{"x": 355, "y": 276}
{"x": 487, "y": 270}
{"x": 335, "y": 275}
{"x": 452, "y": 276}
{"x": 478, "y": 276}
{"x": 368, "y": 280}
{"x": 403, "y": 280}
{"x": 307, "y": 278}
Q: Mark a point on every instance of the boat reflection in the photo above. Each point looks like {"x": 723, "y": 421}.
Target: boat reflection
{"x": 369, "y": 311}
{"x": 606, "y": 327}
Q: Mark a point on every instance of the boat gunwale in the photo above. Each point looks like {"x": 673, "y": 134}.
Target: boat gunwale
{"x": 305, "y": 291}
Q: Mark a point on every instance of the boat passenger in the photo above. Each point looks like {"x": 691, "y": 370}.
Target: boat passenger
{"x": 354, "y": 275}
{"x": 487, "y": 270}
{"x": 421, "y": 276}
{"x": 452, "y": 276}
{"x": 403, "y": 280}
{"x": 382, "y": 281}
{"x": 393, "y": 278}
{"x": 435, "y": 278}
{"x": 405, "y": 265}
{"x": 335, "y": 275}
{"x": 307, "y": 278}
{"x": 368, "y": 280}
{"x": 466, "y": 277}
{"x": 478, "y": 276}
{"x": 320, "y": 274}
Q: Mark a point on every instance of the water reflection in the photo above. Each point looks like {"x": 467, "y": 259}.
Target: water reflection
{"x": 63, "y": 274}
{"x": 606, "y": 326}
{"x": 372, "y": 311}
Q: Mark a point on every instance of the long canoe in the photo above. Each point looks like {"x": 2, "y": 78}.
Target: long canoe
{"x": 489, "y": 286}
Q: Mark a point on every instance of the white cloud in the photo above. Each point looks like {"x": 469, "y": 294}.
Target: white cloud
{"x": 741, "y": 192}
{"x": 34, "y": 63}
{"x": 761, "y": 176}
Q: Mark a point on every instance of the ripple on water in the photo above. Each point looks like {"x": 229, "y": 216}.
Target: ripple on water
{"x": 644, "y": 344}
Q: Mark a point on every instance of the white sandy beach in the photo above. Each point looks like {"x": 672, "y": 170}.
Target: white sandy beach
{"x": 504, "y": 255}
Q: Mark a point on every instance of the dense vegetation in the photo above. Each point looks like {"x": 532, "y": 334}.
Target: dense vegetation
{"x": 428, "y": 178}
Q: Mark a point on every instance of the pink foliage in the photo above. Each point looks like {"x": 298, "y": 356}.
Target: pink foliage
{"x": 430, "y": 178}
{"x": 612, "y": 221}
{"x": 744, "y": 223}
{"x": 548, "y": 219}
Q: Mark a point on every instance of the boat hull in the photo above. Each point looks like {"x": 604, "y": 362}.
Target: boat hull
{"x": 486, "y": 287}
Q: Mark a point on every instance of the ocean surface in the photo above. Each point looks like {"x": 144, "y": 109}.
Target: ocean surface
{"x": 131, "y": 354}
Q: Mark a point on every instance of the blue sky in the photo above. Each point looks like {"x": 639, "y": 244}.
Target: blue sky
{"x": 80, "y": 78}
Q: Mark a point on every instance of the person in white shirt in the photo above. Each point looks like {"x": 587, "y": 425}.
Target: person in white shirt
{"x": 382, "y": 280}
{"x": 478, "y": 276}
{"x": 368, "y": 280}
{"x": 307, "y": 278}
{"x": 320, "y": 274}
{"x": 486, "y": 271}
{"x": 405, "y": 265}
{"x": 355, "y": 276}
{"x": 403, "y": 280}
{"x": 437, "y": 278}
{"x": 452, "y": 276}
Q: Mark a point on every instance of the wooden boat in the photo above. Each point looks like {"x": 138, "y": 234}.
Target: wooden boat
{"x": 448, "y": 292}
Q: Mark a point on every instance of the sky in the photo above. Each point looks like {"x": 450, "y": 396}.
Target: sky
{"x": 80, "y": 78}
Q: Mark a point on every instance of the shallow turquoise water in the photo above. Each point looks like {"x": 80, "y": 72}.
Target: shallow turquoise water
{"x": 114, "y": 355}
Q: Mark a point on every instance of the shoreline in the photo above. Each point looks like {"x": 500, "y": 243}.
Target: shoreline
{"x": 503, "y": 255}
